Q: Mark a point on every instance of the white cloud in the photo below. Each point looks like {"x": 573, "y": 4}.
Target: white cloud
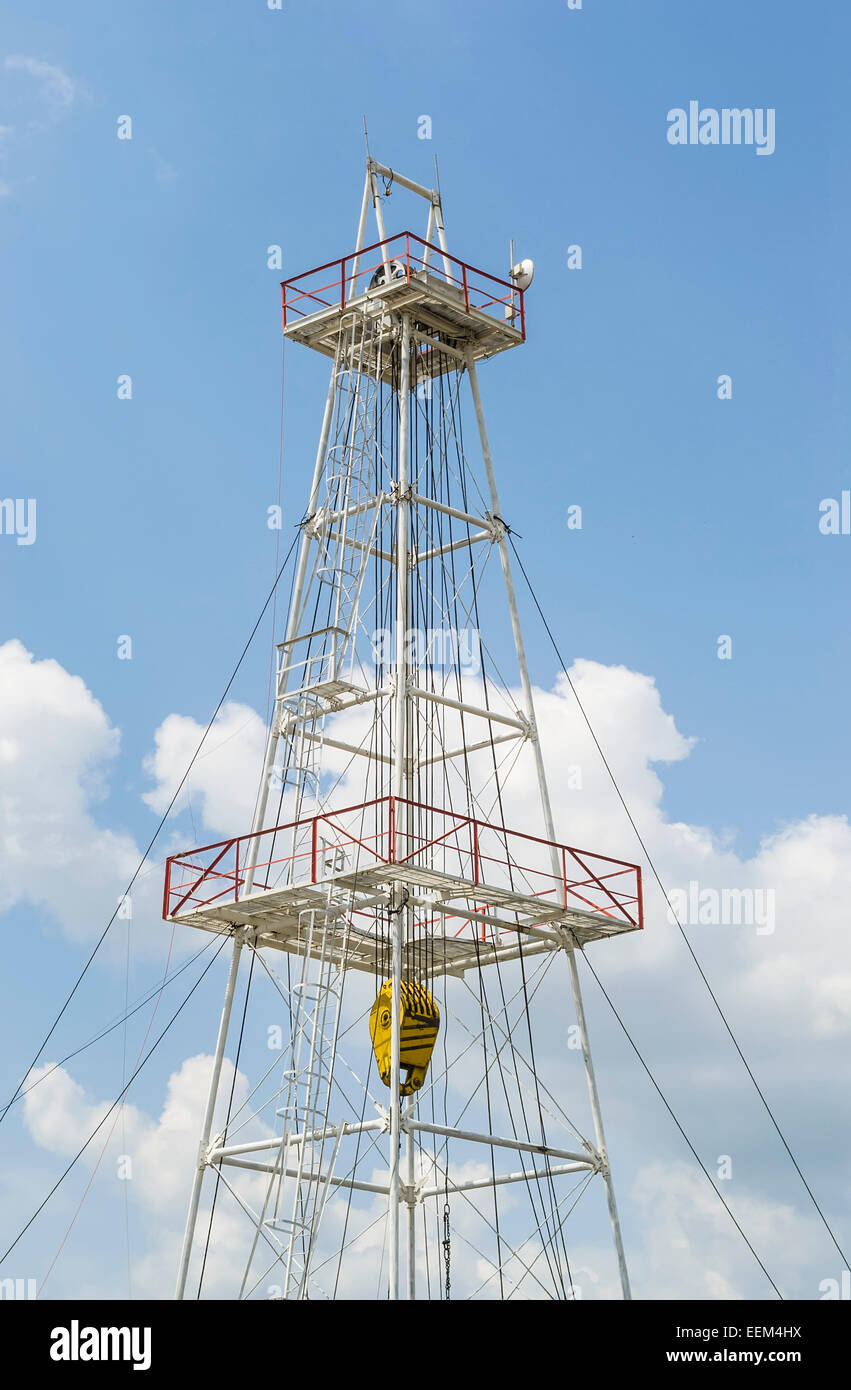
{"x": 41, "y": 97}
{"x": 60, "y": 1116}
{"x": 57, "y": 745}
{"x": 685, "y": 1245}
{"x": 56, "y": 91}
{"x": 222, "y": 785}
{"x": 793, "y": 985}
{"x": 804, "y": 963}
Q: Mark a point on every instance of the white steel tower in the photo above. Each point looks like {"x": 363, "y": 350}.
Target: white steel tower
{"x": 395, "y": 1135}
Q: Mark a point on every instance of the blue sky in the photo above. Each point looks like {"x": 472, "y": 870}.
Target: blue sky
{"x": 148, "y": 257}
{"x": 701, "y": 517}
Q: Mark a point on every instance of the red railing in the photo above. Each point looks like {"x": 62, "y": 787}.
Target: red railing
{"x": 336, "y": 283}
{"x": 392, "y": 830}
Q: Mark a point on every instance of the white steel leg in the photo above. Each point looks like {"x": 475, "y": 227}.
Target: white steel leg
{"x": 412, "y": 1206}
{"x": 548, "y": 820}
{"x": 400, "y": 734}
{"x": 598, "y": 1123}
{"x": 204, "y": 1144}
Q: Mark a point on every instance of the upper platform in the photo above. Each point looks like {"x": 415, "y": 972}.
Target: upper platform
{"x": 479, "y": 892}
{"x": 458, "y": 307}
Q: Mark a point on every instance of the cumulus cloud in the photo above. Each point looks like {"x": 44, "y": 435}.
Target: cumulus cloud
{"x": 223, "y": 783}
{"x": 775, "y": 917}
{"x": 56, "y": 747}
{"x": 798, "y": 970}
{"x": 683, "y": 1244}
{"x": 60, "y": 1116}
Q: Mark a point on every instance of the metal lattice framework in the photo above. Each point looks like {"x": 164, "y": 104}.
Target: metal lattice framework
{"x": 381, "y": 844}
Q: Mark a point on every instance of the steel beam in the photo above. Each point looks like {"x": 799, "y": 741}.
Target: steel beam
{"x": 274, "y": 1168}
{"x": 526, "y": 1175}
{"x": 520, "y": 1145}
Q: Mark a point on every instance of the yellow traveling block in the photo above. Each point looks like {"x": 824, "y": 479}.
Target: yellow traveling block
{"x": 419, "y": 1027}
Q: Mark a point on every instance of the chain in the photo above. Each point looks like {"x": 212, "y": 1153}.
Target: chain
{"x": 446, "y": 1245}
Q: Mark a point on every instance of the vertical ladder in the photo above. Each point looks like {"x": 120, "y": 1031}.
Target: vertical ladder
{"x": 306, "y": 1165}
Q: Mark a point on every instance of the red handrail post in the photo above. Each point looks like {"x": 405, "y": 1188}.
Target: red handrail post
{"x": 476, "y": 853}
{"x": 391, "y": 831}
{"x": 640, "y": 897}
{"x": 343, "y": 283}
{"x": 284, "y": 303}
{"x": 564, "y": 876}
{"x": 236, "y": 875}
{"x": 466, "y": 287}
{"x": 314, "y": 835}
{"x": 166, "y": 888}
{"x": 408, "y": 257}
